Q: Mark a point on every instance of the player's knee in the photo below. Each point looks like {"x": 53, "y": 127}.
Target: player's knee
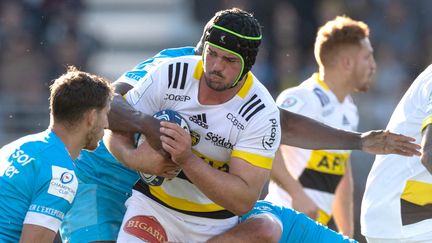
{"x": 267, "y": 228}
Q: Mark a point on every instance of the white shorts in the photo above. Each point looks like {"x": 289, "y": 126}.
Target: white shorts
{"x": 148, "y": 221}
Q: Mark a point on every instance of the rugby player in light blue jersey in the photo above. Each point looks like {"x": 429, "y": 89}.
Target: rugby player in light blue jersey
{"x": 105, "y": 183}
{"x": 37, "y": 179}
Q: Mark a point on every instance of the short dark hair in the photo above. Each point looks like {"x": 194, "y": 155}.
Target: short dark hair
{"x": 77, "y": 92}
{"x": 340, "y": 31}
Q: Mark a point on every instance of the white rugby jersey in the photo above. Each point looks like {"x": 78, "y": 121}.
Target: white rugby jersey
{"x": 319, "y": 171}
{"x": 247, "y": 126}
{"x": 397, "y": 202}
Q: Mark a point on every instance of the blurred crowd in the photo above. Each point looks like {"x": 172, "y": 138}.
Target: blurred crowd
{"x": 38, "y": 38}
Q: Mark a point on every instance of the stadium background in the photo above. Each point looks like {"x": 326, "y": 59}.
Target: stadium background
{"x": 38, "y": 38}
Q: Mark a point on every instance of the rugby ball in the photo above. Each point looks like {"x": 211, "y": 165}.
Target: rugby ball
{"x": 165, "y": 115}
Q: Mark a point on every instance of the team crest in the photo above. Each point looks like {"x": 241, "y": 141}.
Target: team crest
{"x": 290, "y": 101}
{"x": 195, "y": 137}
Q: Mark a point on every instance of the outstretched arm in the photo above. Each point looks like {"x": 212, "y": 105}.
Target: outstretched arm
{"x": 124, "y": 118}
{"x": 304, "y": 132}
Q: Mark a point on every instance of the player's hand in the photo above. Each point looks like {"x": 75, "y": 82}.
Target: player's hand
{"x": 148, "y": 160}
{"x": 176, "y": 141}
{"x": 385, "y": 142}
{"x": 303, "y": 203}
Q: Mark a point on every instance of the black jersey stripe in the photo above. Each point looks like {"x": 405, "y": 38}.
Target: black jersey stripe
{"x": 412, "y": 213}
{"x": 319, "y": 181}
{"x": 249, "y": 101}
{"x": 250, "y": 107}
{"x": 204, "y": 117}
{"x": 170, "y": 74}
{"x": 177, "y": 74}
{"x": 185, "y": 69}
{"x": 144, "y": 188}
{"x": 174, "y": 75}
{"x": 262, "y": 106}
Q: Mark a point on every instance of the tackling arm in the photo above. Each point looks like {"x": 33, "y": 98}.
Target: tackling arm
{"x": 125, "y": 118}
{"x": 304, "y": 132}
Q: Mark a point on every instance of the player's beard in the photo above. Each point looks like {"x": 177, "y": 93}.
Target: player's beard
{"x": 92, "y": 139}
{"x": 216, "y": 86}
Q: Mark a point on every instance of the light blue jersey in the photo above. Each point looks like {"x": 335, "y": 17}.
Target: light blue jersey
{"x": 105, "y": 183}
{"x": 37, "y": 184}
{"x": 297, "y": 227}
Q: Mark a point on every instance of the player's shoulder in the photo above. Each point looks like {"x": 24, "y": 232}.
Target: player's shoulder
{"x": 41, "y": 144}
{"x": 424, "y": 78}
{"x": 254, "y": 88}
{"x": 175, "y": 52}
{"x": 308, "y": 93}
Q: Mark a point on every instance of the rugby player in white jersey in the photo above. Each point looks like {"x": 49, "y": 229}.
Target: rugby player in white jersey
{"x": 297, "y": 130}
{"x": 319, "y": 182}
{"x": 397, "y": 202}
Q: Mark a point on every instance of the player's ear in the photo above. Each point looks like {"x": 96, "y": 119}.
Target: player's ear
{"x": 91, "y": 117}
{"x": 346, "y": 61}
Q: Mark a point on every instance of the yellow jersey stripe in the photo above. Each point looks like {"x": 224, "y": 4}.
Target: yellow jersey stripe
{"x": 199, "y": 69}
{"x": 320, "y": 82}
{"x": 246, "y": 86}
{"x": 417, "y": 192}
{"x": 426, "y": 122}
{"x": 323, "y": 217}
{"x": 254, "y": 159}
{"x": 182, "y": 204}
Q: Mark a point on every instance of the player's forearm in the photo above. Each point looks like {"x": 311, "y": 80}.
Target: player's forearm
{"x": 282, "y": 176}
{"x": 343, "y": 205}
{"x": 120, "y": 146}
{"x": 125, "y": 118}
{"x": 303, "y": 132}
{"x": 225, "y": 189}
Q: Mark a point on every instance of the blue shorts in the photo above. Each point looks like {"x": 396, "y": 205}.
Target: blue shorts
{"x": 96, "y": 215}
{"x": 296, "y": 227}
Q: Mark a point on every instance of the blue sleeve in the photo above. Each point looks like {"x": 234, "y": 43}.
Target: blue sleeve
{"x": 143, "y": 68}
{"x": 55, "y": 189}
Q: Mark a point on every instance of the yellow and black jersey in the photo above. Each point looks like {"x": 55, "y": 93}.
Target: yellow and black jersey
{"x": 247, "y": 126}
{"x": 319, "y": 171}
{"x": 397, "y": 202}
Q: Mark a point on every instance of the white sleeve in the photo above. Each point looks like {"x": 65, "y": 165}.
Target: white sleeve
{"x": 43, "y": 220}
{"x": 259, "y": 141}
{"x": 300, "y": 101}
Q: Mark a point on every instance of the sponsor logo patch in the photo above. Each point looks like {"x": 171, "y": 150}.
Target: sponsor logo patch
{"x": 269, "y": 139}
{"x": 63, "y": 183}
{"x": 219, "y": 141}
{"x": 200, "y": 120}
{"x": 175, "y": 97}
{"x": 146, "y": 228}
{"x": 233, "y": 119}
